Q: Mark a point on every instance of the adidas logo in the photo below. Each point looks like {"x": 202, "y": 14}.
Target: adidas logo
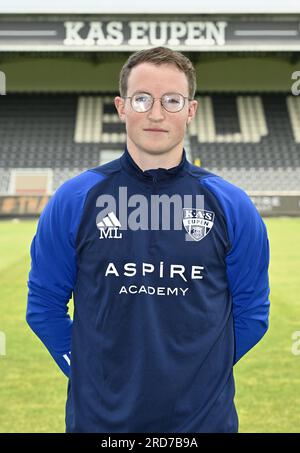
{"x": 109, "y": 227}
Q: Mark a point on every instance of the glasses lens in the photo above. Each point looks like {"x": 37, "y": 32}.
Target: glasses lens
{"x": 173, "y": 102}
{"x": 141, "y": 102}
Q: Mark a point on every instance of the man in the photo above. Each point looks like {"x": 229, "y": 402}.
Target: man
{"x": 170, "y": 279}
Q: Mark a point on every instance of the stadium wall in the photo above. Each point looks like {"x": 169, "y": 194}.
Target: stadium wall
{"x": 99, "y": 73}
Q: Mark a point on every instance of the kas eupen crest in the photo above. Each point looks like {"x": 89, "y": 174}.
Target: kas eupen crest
{"x": 198, "y": 222}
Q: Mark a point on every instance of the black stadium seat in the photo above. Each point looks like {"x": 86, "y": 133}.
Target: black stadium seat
{"x": 252, "y": 139}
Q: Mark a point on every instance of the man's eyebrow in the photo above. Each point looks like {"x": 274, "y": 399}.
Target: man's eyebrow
{"x": 147, "y": 92}
{"x": 141, "y": 91}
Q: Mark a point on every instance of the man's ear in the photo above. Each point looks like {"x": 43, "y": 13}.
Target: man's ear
{"x": 120, "y": 106}
{"x": 192, "y": 110}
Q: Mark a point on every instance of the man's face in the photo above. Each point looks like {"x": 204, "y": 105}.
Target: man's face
{"x": 156, "y": 131}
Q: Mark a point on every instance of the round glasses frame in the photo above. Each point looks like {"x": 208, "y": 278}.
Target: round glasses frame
{"x": 154, "y": 99}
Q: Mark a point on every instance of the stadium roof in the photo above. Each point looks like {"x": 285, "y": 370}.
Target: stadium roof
{"x": 153, "y": 7}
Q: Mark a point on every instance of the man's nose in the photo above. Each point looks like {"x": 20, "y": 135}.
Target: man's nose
{"x": 156, "y": 113}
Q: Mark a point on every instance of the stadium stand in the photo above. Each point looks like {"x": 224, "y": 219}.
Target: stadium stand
{"x": 253, "y": 140}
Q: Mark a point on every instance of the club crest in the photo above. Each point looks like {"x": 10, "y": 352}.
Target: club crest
{"x": 198, "y": 222}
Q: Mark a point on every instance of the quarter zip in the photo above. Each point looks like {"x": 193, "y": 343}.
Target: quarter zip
{"x": 151, "y": 176}
{"x": 154, "y": 182}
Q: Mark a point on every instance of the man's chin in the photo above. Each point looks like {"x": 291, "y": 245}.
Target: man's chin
{"x": 155, "y": 150}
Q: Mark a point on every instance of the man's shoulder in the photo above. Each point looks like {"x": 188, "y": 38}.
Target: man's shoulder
{"x": 199, "y": 172}
{"x": 214, "y": 179}
{"x": 88, "y": 178}
{"x": 78, "y": 183}
{"x": 223, "y": 189}
{"x": 108, "y": 168}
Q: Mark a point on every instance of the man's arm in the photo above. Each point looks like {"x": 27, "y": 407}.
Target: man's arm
{"x": 51, "y": 279}
{"x": 53, "y": 267}
{"x": 247, "y": 265}
{"x": 247, "y": 270}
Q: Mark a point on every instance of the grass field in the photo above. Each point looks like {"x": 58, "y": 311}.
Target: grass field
{"x": 33, "y": 390}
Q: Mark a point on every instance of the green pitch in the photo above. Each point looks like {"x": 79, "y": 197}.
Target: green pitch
{"x": 33, "y": 390}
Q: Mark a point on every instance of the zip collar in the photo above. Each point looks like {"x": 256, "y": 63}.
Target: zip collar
{"x": 153, "y": 175}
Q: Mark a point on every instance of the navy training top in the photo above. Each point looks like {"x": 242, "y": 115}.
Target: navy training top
{"x": 169, "y": 275}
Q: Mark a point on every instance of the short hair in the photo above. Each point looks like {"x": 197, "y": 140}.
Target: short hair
{"x": 159, "y": 56}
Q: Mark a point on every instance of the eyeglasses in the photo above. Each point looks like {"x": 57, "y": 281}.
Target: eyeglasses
{"x": 143, "y": 102}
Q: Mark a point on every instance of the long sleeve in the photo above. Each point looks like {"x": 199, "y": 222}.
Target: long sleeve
{"x": 247, "y": 265}
{"x": 53, "y": 268}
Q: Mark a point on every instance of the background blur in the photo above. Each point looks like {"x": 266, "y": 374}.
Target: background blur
{"x": 59, "y": 68}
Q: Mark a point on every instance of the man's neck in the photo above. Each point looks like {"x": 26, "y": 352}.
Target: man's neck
{"x": 148, "y": 161}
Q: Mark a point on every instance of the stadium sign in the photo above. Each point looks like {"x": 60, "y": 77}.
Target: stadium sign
{"x": 142, "y": 33}
{"x": 129, "y": 35}
{"x": 276, "y": 204}
{"x": 2, "y": 84}
{"x": 22, "y": 206}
